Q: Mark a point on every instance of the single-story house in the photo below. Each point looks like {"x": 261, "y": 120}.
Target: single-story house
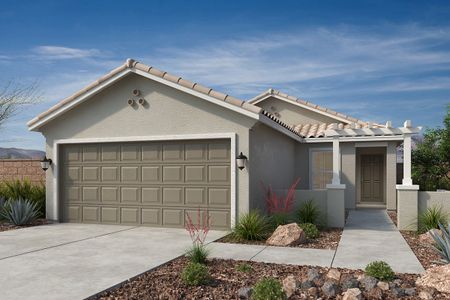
{"x": 141, "y": 146}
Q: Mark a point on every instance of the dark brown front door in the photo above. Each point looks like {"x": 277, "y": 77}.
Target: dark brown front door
{"x": 372, "y": 178}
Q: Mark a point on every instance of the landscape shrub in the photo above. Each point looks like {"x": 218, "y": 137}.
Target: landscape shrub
{"x": 431, "y": 218}
{"x": 244, "y": 268}
{"x": 197, "y": 254}
{"x": 24, "y": 189}
{"x": 442, "y": 243}
{"x": 310, "y": 230}
{"x": 268, "y": 289}
{"x": 308, "y": 212}
{"x": 195, "y": 274}
{"x": 20, "y": 212}
{"x": 278, "y": 219}
{"x": 380, "y": 270}
{"x": 252, "y": 226}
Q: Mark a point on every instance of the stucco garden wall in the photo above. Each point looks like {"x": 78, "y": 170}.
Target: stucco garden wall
{"x": 434, "y": 199}
{"x": 12, "y": 169}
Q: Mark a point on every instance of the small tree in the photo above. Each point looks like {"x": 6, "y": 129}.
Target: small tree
{"x": 431, "y": 158}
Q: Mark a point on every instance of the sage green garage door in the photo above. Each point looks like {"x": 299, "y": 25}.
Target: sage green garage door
{"x": 146, "y": 183}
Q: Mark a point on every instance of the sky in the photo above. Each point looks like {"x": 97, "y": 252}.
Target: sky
{"x": 373, "y": 60}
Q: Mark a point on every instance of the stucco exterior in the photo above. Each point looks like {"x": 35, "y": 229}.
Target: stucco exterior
{"x": 169, "y": 112}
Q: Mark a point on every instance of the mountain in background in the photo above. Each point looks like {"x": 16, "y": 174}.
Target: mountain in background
{"x": 16, "y": 153}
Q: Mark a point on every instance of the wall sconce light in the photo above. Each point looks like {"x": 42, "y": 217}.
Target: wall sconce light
{"x": 45, "y": 163}
{"x": 240, "y": 161}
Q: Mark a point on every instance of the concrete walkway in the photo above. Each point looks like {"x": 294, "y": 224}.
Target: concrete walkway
{"x": 75, "y": 261}
{"x": 370, "y": 235}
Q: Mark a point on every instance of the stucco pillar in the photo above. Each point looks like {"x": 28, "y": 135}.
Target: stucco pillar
{"x": 407, "y": 180}
{"x": 335, "y": 205}
{"x": 336, "y": 162}
{"x": 407, "y": 207}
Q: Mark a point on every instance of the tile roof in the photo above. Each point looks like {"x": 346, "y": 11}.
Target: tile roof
{"x": 311, "y": 105}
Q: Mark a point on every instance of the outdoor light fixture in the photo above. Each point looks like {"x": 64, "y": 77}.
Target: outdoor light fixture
{"x": 240, "y": 160}
{"x": 45, "y": 163}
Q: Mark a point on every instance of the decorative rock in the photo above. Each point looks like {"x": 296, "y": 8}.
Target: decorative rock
{"x": 352, "y": 294}
{"x": 245, "y": 293}
{"x": 287, "y": 235}
{"x": 383, "y": 285}
{"x": 368, "y": 282}
{"x": 375, "y": 293}
{"x": 290, "y": 285}
{"x": 349, "y": 282}
{"x": 426, "y": 238}
{"x": 313, "y": 274}
{"x": 334, "y": 274}
{"x": 425, "y": 295}
{"x": 398, "y": 292}
{"x": 307, "y": 284}
{"x": 410, "y": 291}
{"x": 330, "y": 289}
{"x": 312, "y": 291}
{"x": 436, "y": 277}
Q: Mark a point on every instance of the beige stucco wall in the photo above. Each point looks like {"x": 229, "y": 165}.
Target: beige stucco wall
{"x": 271, "y": 161}
{"x": 293, "y": 114}
{"x": 169, "y": 112}
{"x": 434, "y": 199}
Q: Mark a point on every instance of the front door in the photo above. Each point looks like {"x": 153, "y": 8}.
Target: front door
{"x": 372, "y": 178}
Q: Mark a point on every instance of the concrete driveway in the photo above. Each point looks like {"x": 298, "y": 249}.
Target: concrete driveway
{"x": 75, "y": 261}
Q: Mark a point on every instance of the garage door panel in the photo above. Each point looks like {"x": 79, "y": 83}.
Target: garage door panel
{"x": 145, "y": 183}
{"x": 220, "y": 219}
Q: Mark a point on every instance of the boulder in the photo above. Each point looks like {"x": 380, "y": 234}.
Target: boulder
{"x": 330, "y": 289}
{"x": 426, "y": 238}
{"x": 425, "y": 295}
{"x": 290, "y": 285}
{"x": 245, "y": 293}
{"x": 375, "y": 293}
{"x": 307, "y": 284}
{"x": 287, "y": 235}
{"x": 313, "y": 274}
{"x": 312, "y": 291}
{"x": 334, "y": 274}
{"x": 383, "y": 285}
{"x": 349, "y": 281}
{"x": 368, "y": 282}
{"x": 437, "y": 277}
{"x": 352, "y": 294}
{"x": 410, "y": 291}
{"x": 398, "y": 292}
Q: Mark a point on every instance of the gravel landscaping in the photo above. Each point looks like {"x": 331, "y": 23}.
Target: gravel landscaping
{"x": 228, "y": 281}
{"x": 424, "y": 252}
{"x": 328, "y": 239}
{"x": 7, "y": 226}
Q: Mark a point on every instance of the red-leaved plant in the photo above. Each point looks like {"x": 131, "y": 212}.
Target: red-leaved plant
{"x": 280, "y": 204}
{"x": 199, "y": 231}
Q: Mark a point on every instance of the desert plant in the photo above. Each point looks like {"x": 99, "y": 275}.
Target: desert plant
{"x": 278, "y": 219}
{"x": 195, "y": 274}
{"x": 20, "y": 212}
{"x": 280, "y": 204}
{"x": 252, "y": 227}
{"x": 268, "y": 289}
{"x": 244, "y": 268}
{"x": 24, "y": 189}
{"x": 380, "y": 270}
{"x": 442, "y": 242}
{"x": 2, "y": 206}
{"x": 308, "y": 212}
{"x": 311, "y": 231}
{"x": 431, "y": 218}
{"x": 197, "y": 254}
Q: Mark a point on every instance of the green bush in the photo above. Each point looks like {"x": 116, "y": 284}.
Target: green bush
{"x": 431, "y": 218}
{"x": 197, "y": 254}
{"x": 380, "y": 270}
{"x": 244, "y": 268}
{"x": 310, "y": 230}
{"x": 19, "y": 212}
{"x": 308, "y": 212}
{"x": 17, "y": 189}
{"x": 252, "y": 227}
{"x": 268, "y": 289}
{"x": 195, "y": 274}
{"x": 278, "y": 219}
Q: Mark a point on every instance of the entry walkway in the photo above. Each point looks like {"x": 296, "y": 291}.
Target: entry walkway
{"x": 370, "y": 235}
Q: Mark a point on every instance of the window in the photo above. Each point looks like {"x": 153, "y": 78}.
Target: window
{"x": 321, "y": 168}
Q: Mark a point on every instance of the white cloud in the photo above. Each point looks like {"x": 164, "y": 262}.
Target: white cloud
{"x": 58, "y": 52}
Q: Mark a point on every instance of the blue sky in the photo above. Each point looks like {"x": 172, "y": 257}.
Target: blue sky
{"x": 374, "y": 60}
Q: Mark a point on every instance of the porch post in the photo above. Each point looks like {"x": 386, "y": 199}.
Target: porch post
{"x": 336, "y": 162}
{"x": 407, "y": 159}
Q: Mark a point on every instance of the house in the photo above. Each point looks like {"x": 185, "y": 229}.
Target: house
{"x": 142, "y": 146}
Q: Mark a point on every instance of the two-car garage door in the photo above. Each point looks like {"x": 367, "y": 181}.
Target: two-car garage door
{"x": 146, "y": 183}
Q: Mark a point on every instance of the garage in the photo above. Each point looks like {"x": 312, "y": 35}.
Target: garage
{"x": 152, "y": 183}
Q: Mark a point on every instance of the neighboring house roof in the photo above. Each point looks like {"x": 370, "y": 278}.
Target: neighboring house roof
{"x": 311, "y": 106}
{"x": 166, "y": 78}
